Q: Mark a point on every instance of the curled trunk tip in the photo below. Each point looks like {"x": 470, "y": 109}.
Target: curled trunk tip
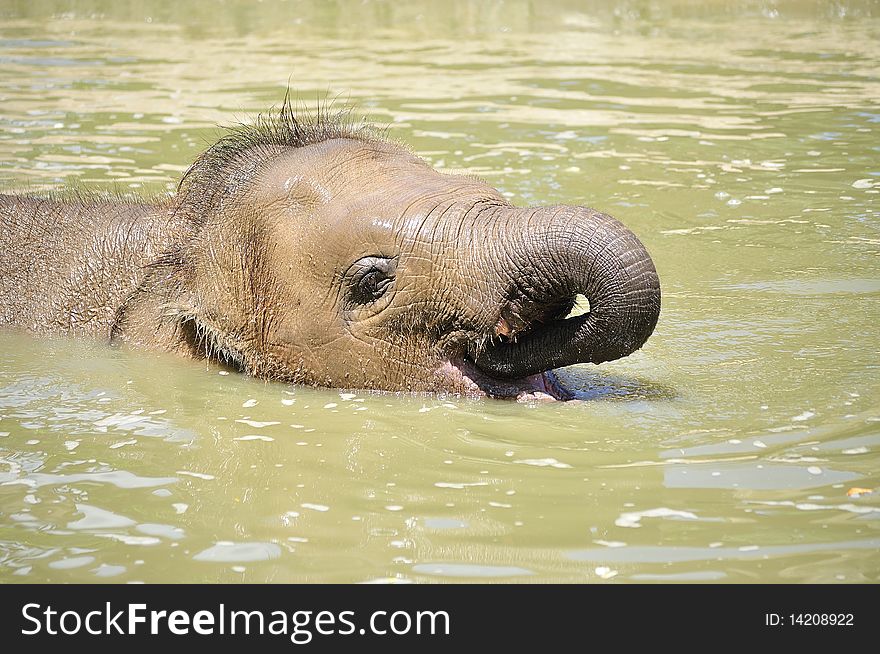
{"x": 596, "y": 256}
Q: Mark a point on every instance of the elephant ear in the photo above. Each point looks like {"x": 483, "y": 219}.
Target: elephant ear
{"x": 168, "y": 311}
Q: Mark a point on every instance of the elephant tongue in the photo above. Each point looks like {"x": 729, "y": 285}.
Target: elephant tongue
{"x": 541, "y": 386}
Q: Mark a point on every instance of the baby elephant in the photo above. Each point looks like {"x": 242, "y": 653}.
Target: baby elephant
{"x": 316, "y": 251}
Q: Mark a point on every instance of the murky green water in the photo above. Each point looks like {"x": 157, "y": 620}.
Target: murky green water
{"x": 740, "y": 141}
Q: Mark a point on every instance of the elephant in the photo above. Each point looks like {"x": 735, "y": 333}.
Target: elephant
{"x": 314, "y": 249}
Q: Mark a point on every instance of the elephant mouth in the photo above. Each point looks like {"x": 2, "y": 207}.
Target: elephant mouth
{"x": 514, "y": 326}
{"x": 544, "y": 386}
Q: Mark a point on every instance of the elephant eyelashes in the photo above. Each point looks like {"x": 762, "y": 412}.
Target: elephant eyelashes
{"x": 368, "y": 280}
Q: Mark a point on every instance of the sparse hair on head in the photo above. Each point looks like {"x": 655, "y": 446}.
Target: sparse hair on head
{"x": 234, "y": 160}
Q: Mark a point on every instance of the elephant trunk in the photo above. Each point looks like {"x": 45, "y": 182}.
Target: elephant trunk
{"x": 559, "y": 253}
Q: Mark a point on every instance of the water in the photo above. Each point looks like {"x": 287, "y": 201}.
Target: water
{"x": 739, "y": 141}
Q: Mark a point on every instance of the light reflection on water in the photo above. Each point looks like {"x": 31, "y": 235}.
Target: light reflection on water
{"x": 739, "y": 445}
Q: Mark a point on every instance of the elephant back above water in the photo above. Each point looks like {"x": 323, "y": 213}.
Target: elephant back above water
{"x": 317, "y": 251}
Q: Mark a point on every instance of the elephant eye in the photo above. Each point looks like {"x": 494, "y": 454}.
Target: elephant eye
{"x": 369, "y": 279}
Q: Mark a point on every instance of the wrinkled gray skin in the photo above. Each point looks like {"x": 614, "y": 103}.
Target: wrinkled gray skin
{"x": 317, "y": 252}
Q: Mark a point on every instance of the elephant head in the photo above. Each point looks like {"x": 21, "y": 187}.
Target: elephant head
{"x": 323, "y": 253}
